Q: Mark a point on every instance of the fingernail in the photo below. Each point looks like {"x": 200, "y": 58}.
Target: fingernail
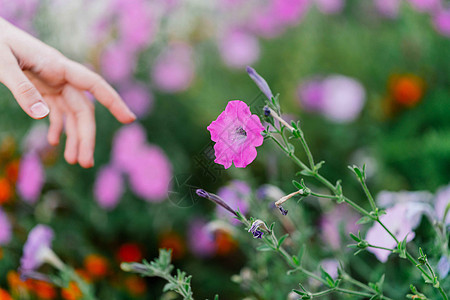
{"x": 39, "y": 110}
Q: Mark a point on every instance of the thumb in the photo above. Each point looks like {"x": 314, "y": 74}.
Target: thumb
{"x": 26, "y": 94}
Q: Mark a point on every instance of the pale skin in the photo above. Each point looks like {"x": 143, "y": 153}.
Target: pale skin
{"x": 46, "y": 83}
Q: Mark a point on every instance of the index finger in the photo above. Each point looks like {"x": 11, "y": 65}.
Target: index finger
{"x": 84, "y": 79}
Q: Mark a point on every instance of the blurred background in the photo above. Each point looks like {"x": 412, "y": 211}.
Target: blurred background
{"x": 368, "y": 80}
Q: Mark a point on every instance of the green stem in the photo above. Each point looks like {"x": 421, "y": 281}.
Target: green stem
{"x": 308, "y": 152}
{"x": 368, "y": 194}
{"x": 379, "y": 247}
{"x": 324, "y": 196}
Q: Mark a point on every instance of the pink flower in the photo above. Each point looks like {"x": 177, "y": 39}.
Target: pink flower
{"x": 343, "y": 98}
{"x": 150, "y": 174}
{"x": 387, "y": 8}
{"x": 401, "y": 220}
{"x": 108, "y": 187}
{"x": 137, "y": 23}
{"x": 310, "y": 94}
{"x": 441, "y": 21}
{"x": 39, "y": 242}
{"x": 236, "y": 195}
{"x": 330, "y": 6}
{"x": 200, "y": 240}
{"x": 31, "y": 178}
{"x": 341, "y": 218}
{"x": 5, "y": 228}
{"x": 118, "y": 63}
{"x": 127, "y": 142}
{"x": 239, "y": 48}
{"x": 173, "y": 70}
{"x": 138, "y": 98}
{"x": 236, "y": 132}
{"x": 425, "y": 5}
{"x": 441, "y": 202}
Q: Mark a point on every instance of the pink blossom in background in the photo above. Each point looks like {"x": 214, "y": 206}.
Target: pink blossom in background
{"x": 150, "y": 174}
{"x": 31, "y": 178}
{"x": 200, "y": 240}
{"x": 127, "y": 142}
{"x": 236, "y": 132}
{"x": 36, "y": 139}
{"x": 441, "y": 201}
{"x": 236, "y": 194}
{"x": 331, "y": 266}
{"x": 310, "y": 94}
{"x": 137, "y": 23}
{"x": 289, "y": 11}
{"x": 108, "y": 187}
{"x": 239, "y": 49}
{"x": 441, "y": 22}
{"x": 401, "y": 220}
{"x": 330, "y": 6}
{"x": 118, "y": 63}
{"x": 5, "y": 228}
{"x": 337, "y": 223}
{"x": 387, "y": 8}
{"x": 138, "y": 98}
{"x": 425, "y": 5}
{"x": 343, "y": 98}
{"x": 19, "y": 12}
{"x": 173, "y": 70}
{"x": 39, "y": 242}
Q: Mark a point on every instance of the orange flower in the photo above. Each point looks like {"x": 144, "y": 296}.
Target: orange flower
{"x": 72, "y": 292}
{"x": 84, "y": 275}
{"x": 16, "y": 285}
{"x": 225, "y": 244}
{"x": 43, "y": 290}
{"x": 4, "y": 295}
{"x": 129, "y": 253}
{"x": 407, "y": 90}
{"x": 136, "y": 285}
{"x": 12, "y": 171}
{"x": 5, "y": 190}
{"x": 174, "y": 242}
{"x": 96, "y": 265}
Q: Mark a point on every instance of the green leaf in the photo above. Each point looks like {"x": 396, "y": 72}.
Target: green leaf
{"x": 264, "y": 248}
{"x": 296, "y": 260}
{"x": 354, "y": 237}
{"x": 364, "y": 220}
{"x": 297, "y": 184}
{"x": 327, "y": 277}
{"x": 169, "y": 287}
{"x": 281, "y": 240}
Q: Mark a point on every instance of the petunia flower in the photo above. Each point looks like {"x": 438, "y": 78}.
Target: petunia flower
{"x": 5, "y": 228}
{"x": 37, "y": 250}
{"x": 200, "y": 240}
{"x": 236, "y": 194}
{"x": 31, "y": 178}
{"x": 108, "y": 187}
{"x": 238, "y": 48}
{"x": 236, "y": 132}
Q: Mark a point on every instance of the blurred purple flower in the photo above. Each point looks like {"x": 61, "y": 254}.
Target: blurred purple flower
{"x": 401, "y": 220}
{"x": 330, "y": 6}
{"x": 173, "y": 70}
{"x": 31, "y": 178}
{"x": 5, "y": 228}
{"x": 331, "y": 266}
{"x": 236, "y": 194}
{"x": 270, "y": 192}
{"x": 425, "y": 5}
{"x": 137, "y": 23}
{"x": 441, "y": 21}
{"x": 441, "y": 202}
{"x": 337, "y": 223}
{"x": 37, "y": 249}
{"x": 108, "y": 187}
{"x": 443, "y": 267}
{"x": 343, "y": 98}
{"x": 200, "y": 240}
{"x": 150, "y": 174}
{"x": 387, "y": 8}
{"x": 118, "y": 63}
{"x": 310, "y": 94}
{"x": 138, "y": 98}
{"x": 127, "y": 142}
{"x": 289, "y": 11}
{"x": 239, "y": 48}
{"x": 19, "y": 12}
{"x": 36, "y": 139}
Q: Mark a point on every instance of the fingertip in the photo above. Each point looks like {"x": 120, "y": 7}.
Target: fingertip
{"x": 39, "y": 110}
{"x": 86, "y": 163}
{"x": 53, "y": 139}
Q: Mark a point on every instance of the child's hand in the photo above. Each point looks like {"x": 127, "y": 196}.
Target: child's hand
{"x": 44, "y": 82}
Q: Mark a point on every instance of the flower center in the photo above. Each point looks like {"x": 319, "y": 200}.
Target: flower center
{"x": 241, "y": 131}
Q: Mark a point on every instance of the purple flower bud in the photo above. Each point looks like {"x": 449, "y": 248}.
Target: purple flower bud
{"x": 216, "y": 199}
{"x": 283, "y": 211}
{"x": 260, "y": 82}
{"x": 266, "y": 111}
{"x": 257, "y": 234}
